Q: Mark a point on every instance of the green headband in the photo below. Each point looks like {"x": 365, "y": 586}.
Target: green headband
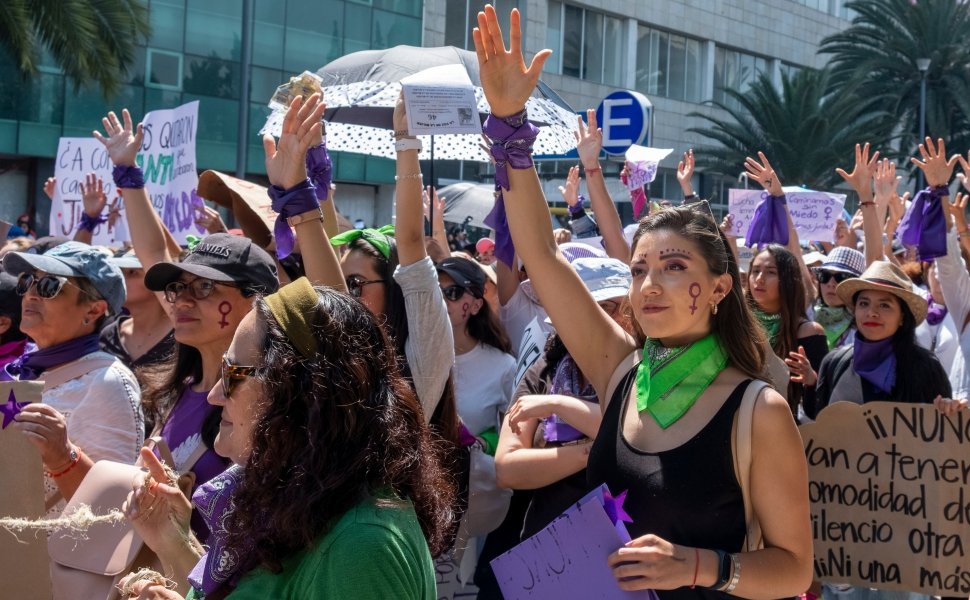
{"x": 375, "y": 237}
{"x": 293, "y": 306}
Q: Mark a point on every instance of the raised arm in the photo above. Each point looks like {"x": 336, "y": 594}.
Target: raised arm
{"x": 589, "y": 142}
{"x": 885, "y": 182}
{"x": 861, "y": 181}
{"x": 93, "y": 201}
{"x": 595, "y": 341}
{"x": 429, "y": 196}
{"x": 409, "y": 226}
{"x": 685, "y": 172}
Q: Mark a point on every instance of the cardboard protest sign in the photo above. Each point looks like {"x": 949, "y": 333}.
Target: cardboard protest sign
{"x": 567, "y": 559}
{"x": 441, "y": 100}
{"x": 21, "y": 496}
{"x": 814, "y": 213}
{"x": 76, "y": 157}
{"x": 889, "y": 485}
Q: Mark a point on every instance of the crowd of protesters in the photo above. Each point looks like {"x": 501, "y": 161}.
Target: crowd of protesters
{"x": 327, "y": 424}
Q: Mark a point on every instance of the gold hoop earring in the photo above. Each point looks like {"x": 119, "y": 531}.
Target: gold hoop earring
{"x": 714, "y": 308}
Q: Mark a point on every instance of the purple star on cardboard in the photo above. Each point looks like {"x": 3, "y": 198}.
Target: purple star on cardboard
{"x": 11, "y": 409}
{"x": 614, "y": 507}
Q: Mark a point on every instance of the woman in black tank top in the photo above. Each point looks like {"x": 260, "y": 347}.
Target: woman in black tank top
{"x": 702, "y": 342}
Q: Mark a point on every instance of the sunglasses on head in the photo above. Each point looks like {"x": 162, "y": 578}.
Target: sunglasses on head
{"x": 47, "y": 287}
{"x": 233, "y": 375}
{"x": 356, "y": 283}
{"x": 825, "y": 276}
{"x": 198, "y": 288}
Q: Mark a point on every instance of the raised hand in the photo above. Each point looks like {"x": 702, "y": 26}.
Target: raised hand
{"x": 210, "y": 219}
{"x": 286, "y": 159}
{"x": 123, "y": 141}
{"x": 861, "y": 176}
{"x": 685, "y": 170}
{"x": 958, "y": 208}
{"x": 965, "y": 166}
{"x": 506, "y": 81}
{"x": 570, "y": 191}
{"x": 93, "y": 197}
{"x": 857, "y": 221}
{"x": 49, "y": 186}
{"x": 589, "y": 140}
{"x": 935, "y": 165}
{"x": 885, "y": 181}
{"x": 762, "y": 172}
{"x": 843, "y": 235}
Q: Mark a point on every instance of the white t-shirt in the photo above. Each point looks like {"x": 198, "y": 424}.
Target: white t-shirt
{"x": 483, "y": 386}
{"x": 955, "y": 282}
{"x": 518, "y": 312}
{"x": 942, "y": 339}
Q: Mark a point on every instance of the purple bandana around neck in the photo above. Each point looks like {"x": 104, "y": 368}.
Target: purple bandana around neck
{"x": 769, "y": 225}
{"x": 875, "y": 362}
{"x": 936, "y": 312}
{"x": 219, "y": 565}
{"x": 297, "y": 200}
{"x": 319, "y": 168}
{"x": 566, "y": 381}
{"x": 924, "y": 224}
{"x": 32, "y": 365}
{"x": 511, "y": 147}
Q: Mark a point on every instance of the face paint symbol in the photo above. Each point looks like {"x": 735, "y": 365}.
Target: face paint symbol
{"x": 695, "y": 291}
{"x": 224, "y": 309}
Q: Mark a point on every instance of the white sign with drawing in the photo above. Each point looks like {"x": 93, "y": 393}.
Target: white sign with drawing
{"x": 441, "y": 100}
{"x": 814, "y": 213}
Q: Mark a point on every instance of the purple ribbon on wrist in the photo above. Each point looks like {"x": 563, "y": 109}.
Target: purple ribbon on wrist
{"x": 319, "y": 168}
{"x": 294, "y": 201}
{"x": 88, "y": 223}
{"x": 769, "y": 225}
{"x": 128, "y": 177}
{"x": 512, "y": 138}
{"x": 577, "y": 210}
{"x": 924, "y": 224}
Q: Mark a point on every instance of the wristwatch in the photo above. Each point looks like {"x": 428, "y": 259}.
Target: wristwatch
{"x": 723, "y": 570}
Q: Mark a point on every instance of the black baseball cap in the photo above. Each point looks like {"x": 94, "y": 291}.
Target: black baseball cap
{"x": 465, "y": 273}
{"x": 220, "y": 257}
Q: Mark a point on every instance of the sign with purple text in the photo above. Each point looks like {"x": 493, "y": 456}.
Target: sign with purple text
{"x": 814, "y": 213}
{"x": 167, "y": 158}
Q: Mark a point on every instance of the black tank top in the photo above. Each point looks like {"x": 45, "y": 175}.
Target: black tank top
{"x": 688, "y": 495}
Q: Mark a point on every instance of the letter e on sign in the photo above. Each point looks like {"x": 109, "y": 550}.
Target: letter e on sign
{"x": 624, "y": 117}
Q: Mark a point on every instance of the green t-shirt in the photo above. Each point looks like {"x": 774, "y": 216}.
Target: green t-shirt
{"x": 372, "y": 552}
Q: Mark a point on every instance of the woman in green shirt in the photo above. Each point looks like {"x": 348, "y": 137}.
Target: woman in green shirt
{"x": 335, "y": 491}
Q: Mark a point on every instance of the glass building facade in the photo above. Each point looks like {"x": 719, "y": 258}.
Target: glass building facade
{"x": 195, "y": 53}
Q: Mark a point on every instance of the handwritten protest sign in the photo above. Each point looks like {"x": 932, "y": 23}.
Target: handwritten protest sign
{"x": 21, "y": 495}
{"x": 814, "y": 213}
{"x": 530, "y": 348}
{"x": 441, "y": 100}
{"x": 167, "y": 158}
{"x": 890, "y": 496}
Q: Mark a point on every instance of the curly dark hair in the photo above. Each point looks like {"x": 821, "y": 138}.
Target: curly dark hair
{"x": 336, "y": 429}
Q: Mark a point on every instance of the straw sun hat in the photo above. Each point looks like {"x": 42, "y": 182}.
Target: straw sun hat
{"x": 884, "y": 277}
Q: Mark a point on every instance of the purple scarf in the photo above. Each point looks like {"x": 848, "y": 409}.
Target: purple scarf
{"x": 512, "y": 139}
{"x": 297, "y": 200}
{"x": 936, "y": 312}
{"x": 924, "y": 224}
{"x": 566, "y": 381}
{"x": 319, "y": 169}
{"x": 875, "y": 362}
{"x": 219, "y": 565}
{"x": 769, "y": 225}
{"x": 32, "y": 365}
{"x": 11, "y": 351}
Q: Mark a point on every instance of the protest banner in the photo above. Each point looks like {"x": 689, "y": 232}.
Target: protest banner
{"x": 167, "y": 158}
{"x": 889, "y": 486}
{"x": 814, "y": 213}
{"x": 21, "y": 496}
{"x": 441, "y": 100}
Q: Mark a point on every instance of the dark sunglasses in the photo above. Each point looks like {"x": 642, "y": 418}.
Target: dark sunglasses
{"x": 233, "y": 374}
{"x": 356, "y": 283}
{"x": 199, "y": 289}
{"x": 825, "y": 276}
{"x": 453, "y": 292}
{"x": 48, "y": 286}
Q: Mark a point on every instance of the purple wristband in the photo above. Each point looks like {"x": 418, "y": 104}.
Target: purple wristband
{"x": 294, "y": 201}
{"x": 319, "y": 168}
{"x": 511, "y": 144}
{"x": 577, "y": 210}
{"x": 128, "y": 177}
{"x": 88, "y": 223}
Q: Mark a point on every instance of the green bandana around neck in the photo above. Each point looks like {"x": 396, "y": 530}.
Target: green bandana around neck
{"x": 835, "y": 320}
{"x": 375, "y": 237}
{"x": 670, "y": 380}
{"x": 770, "y": 323}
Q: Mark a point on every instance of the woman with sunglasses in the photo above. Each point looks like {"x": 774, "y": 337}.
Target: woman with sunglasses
{"x": 829, "y": 311}
{"x": 350, "y": 503}
{"x": 91, "y": 406}
{"x": 669, "y": 445}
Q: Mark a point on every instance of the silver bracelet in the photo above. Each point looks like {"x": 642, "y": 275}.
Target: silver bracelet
{"x": 735, "y": 574}
{"x": 417, "y": 175}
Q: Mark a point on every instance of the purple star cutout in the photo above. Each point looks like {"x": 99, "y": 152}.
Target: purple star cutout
{"x": 11, "y": 409}
{"x": 614, "y": 507}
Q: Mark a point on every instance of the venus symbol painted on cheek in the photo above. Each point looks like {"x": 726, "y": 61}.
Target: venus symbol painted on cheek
{"x": 464, "y": 310}
{"x": 695, "y": 291}
{"x": 224, "y": 309}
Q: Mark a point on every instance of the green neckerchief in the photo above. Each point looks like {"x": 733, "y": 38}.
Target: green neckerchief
{"x": 770, "y": 323}
{"x": 375, "y": 237}
{"x": 835, "y": 320}
{"x": 670, "y": 380}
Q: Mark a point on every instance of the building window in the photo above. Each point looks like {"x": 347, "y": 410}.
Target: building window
{"x": 461, "y": 16}
{"x": 164, "y": 69}
{"x": 735, "y": 71}
{"x": 669, "y": 65}
{"x": 588, "y": 44}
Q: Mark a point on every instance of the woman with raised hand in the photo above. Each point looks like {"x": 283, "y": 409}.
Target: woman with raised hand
{"x": 589, "y": 143}
{"x": 688, "y": 307}
{"x": 335, "y": 490}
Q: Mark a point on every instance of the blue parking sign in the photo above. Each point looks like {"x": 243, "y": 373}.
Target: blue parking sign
{"x": 624, "y": 116}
